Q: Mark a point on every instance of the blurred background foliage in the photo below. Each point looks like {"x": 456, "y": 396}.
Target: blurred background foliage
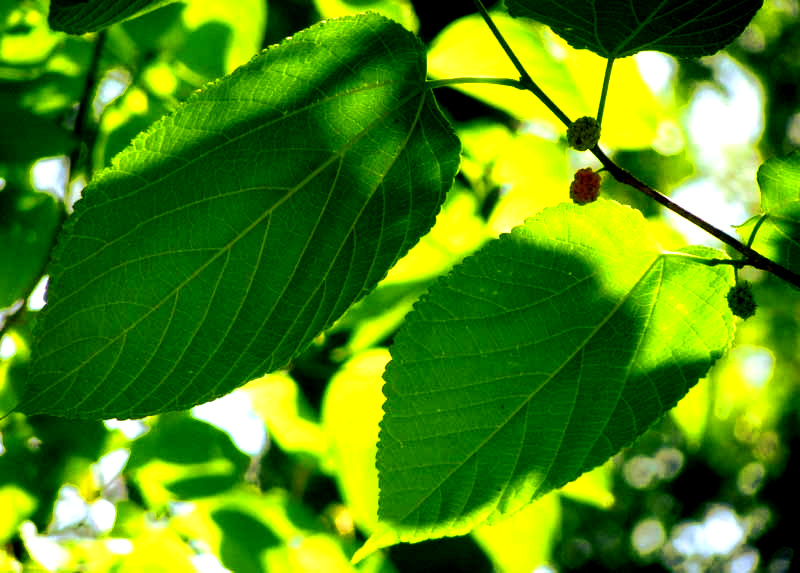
{"x": 280, "y": 475}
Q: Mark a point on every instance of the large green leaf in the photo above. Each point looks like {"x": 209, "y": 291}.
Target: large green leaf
{"x": 619, "y": 28}
{"x": 223, "y": 240}
{"x": 778, "y": 226}
{"x": 82, "y": 16}
{"x": 537, "y": 359}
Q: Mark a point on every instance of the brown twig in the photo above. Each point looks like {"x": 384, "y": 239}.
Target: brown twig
{"x": 752, "y": 258}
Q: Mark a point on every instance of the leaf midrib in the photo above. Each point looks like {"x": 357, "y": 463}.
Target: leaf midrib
{"x": 524, "y": 403}
{"x": 226, "y": 248}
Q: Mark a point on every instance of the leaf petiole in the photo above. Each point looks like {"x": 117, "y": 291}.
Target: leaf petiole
{"x": 604, "y": 93}
{"x": 524, "y": 77}
{"x": 433, "y": 84}
{"x": 757, "y": 226}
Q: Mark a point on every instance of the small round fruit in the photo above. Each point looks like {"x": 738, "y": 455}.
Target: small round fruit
{"x": 584, "y": 133}
{"x": 741, "y": 300}
{"x": 585, "y": 187}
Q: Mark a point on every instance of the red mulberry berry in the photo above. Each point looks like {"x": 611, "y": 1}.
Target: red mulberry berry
{"x": 584, "y": 133}
{"x": 585, "y": 188}
{"x": 741, "y": 300}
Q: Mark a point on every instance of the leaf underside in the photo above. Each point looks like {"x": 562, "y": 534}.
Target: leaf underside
{"x": 619, "y": 28}
{"x": 234, "y": 231}
{"x": 82, "y": 17}
{"x": 536, "y": 360}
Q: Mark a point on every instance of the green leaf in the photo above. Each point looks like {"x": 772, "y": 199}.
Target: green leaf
{"x": 28, "y": 224}
{"x": 401, "y": 11}
{"x": 288, "y": 416}
{"x": 779, "y": 180}
{"x": 25, "y": 38}
{"x": 459, "y": 231}
{"x": 234, "y": 231}
{"x": 223, "y": 32}
{"x": 83, "y": 16}
{"x": 158, "y": 549}
{"x": 619, "y": 28}
{"x": 356, "y": 387}
{"x": 184, "y": 458}
{"x": 42, "y": 136}
{"x": 18, "y": 505}
{"x": 536, "y": 360}
{"x": 778, "y": 234}
{"x": 570, "y": 77}
{"x": 255, "y": 532}
{"x": 525, "y": 541}
{"x": 778, "y": 226}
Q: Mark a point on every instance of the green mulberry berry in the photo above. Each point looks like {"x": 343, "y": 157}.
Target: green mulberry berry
{"x": 584, "y": 133}
{"x": 741, "y": 300}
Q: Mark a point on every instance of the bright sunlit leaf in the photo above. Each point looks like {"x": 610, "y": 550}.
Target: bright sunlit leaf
{"x": 257, "y": 532}
{"x": 401, "y": 11}
{"x": 569, "y": 77}
{"x": 524, "y": 541}
{"x": 777, "y": 228}
{"x": 291, "y": 423}
{"x": 354, "y": 439}
{"x": 536, "y": 360}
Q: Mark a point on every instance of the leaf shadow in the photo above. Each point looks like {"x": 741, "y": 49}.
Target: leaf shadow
{"x": 244, "y": 540}
{"x": 243, "y": 238}
{"x": 528, "y": 366}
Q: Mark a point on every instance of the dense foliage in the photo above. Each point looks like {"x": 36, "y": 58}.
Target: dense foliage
{"x": 374, "y": 236}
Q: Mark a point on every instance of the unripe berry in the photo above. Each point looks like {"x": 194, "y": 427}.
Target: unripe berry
{"x": 741, "y": 300}
{"x": 584, "y": 133}
{"x": 585, "y": 188}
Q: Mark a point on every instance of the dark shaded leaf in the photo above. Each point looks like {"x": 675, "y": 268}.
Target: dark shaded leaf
{"x": 83, "y": 16}
{"x": 619, "y": 28}
{"x": 227, "y": 237}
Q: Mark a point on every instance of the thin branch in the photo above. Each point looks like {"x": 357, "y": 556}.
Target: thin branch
{"x": 83, "y": 119}
{"x": 752, "y": 258}
{"x": 525, "y": 77}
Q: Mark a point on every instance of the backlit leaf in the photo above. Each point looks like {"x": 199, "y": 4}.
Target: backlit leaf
{"x": 570, "y": 77}
{"x": 354, "y": 439}
{"x": 401, "y": 11}
{"x": 184, "y": 458}
{"x": 259, "y": 532}
{"x": 778, "y": 226}
{"x": 82, "y": 16}
{"x": 536, "y": 360}
{"x": 779, "y": 181}
{"x": 524, "y": 541}
{"x": 619, "y": 28}
{"x": 223, "y": 240}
